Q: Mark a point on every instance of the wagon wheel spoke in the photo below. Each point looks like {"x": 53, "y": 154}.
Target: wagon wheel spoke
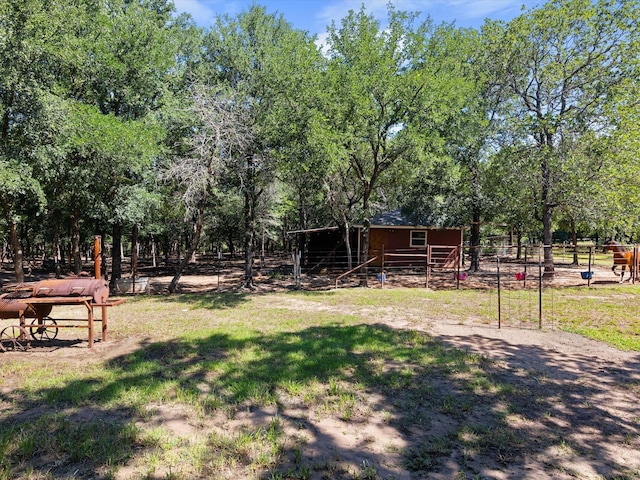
{"x": 14, "y": 337}
{"x": 44, "y": 329}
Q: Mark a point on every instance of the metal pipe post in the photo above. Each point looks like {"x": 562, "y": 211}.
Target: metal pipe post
{"x": 97, "y": 252}
{"x": 499, "y": 305}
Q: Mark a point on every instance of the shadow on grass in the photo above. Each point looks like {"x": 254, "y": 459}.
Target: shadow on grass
{"x": 452, "y": 409}
{"x": 209, "y": 301}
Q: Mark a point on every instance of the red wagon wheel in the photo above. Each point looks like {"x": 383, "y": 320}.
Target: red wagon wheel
{"x": 14, "y": 337}
{"x": 44, "y": 329}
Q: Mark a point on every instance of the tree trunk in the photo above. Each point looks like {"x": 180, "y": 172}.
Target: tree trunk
{"x": 547, "y": 240}
{"x": 250, "y": 202}
{"x": 116, "y": 256}
{"x": 364, "y": 254}
{"x": 475, "y": 241}
{"x": 366, "y": 226}
{"x": 75, "y": 244}
{"x": 57, "y": 258}
{"x": 231, "y": 246}
{"x": 574, "y": 240}
{"x": 103, "y": 257}
{"x": 347, "y": 243}
{"x": 134, "y": 257}
{"x": 519, "y": 243}
{"x": 154, "y": 261}
{"x": 18, "y": 257}
{"x": 182, "y": 264}
{"x": 249, "y": 232}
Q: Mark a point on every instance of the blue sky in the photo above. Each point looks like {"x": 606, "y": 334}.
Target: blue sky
{"x": 315, "y": 15}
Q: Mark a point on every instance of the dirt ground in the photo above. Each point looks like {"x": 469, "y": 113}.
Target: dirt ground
{"x": 568, "y": 387}
{"x": 581, "y": 390}
{"x": 589, "y": 391}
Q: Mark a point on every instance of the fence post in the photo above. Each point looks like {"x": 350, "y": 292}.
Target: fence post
{"x": 382, "y": 268}
{"x": 297, "y": 270}
{"x": 499, "y": 305}
{"x": 524, "y": 282}
{"x": 218, "y": 269}
{"x": 428, "y": 269}
{"x": 539, "y": 293}
{"x": 97, "y": 252}
{"x": 589, "y": 268}
{"x": 458, "y": 269}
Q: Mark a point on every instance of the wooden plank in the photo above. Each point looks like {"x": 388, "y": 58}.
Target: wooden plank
{"x": 57, "y": 300}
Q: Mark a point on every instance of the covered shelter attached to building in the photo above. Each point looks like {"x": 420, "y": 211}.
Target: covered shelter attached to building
{"x": 393, "y": 238}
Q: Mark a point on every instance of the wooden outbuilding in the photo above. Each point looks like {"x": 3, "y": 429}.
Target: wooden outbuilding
{"x": 393, "y": 234}
{"x": 403, "y": 242}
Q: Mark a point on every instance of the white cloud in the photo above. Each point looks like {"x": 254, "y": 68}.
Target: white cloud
{"x": 200, "y": 11}
{"x": 204, "y": 12}
{"x": 481, "y": 9}
{"x": 321, "y": 42}
{"x": 471, "y": 11}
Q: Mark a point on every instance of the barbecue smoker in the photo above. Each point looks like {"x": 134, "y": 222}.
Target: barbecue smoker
{"x": 36, "y": 301}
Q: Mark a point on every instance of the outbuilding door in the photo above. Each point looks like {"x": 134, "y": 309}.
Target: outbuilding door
{"x": 377, "y": 240}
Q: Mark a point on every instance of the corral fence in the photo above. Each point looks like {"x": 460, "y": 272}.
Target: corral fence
{"x": 511, "y": 287}
{"x": 443, "y": 258}
{"x": 453, "y": 262}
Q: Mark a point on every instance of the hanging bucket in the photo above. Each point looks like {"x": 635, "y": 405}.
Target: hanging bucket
{"x": 521, "y": 275}
{"x": 586, "y": 275}
{"x": 462, "y": 276}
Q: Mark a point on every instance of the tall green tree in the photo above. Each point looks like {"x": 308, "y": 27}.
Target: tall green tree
{"x": 120, "y": 68}
{"x": 450, "y": 190}
{"x": 222, "y": 134}
{"x": 30, "y": 44}
{"x": 390, "y": 89}
{"x": 261, "y": 58}
{"x": 94, "y": 158}
{"x": 20, "y": 195}
{"x": 560, "y": 70}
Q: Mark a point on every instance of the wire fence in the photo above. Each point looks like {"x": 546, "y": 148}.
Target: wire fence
{"x": 512, "y": 287}
{"x": 509, "y": 287}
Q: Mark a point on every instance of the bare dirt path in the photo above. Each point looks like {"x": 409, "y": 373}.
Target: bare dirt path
{"x": 580, "y": 391}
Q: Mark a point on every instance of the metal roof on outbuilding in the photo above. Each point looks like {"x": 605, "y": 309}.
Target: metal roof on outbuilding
{"x": 394, "y": 218}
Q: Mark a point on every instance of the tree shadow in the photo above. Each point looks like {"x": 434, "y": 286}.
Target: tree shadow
{"x": 439, "y": 409}
{"x": 208, "y": 301}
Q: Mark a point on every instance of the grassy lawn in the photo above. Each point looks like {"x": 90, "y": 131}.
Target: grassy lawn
{"x": 239, "y": 386}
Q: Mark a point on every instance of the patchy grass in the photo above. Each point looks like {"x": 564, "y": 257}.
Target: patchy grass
{"x": 258, "y": 386}
{"x": 608, "y": 314}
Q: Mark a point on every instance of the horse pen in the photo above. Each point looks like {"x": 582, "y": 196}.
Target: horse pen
{"x": 517, "y": 292}
{"x": 513, "y": 289}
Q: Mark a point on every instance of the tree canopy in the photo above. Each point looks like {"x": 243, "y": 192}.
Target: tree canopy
{"x": 123, "y": 116}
